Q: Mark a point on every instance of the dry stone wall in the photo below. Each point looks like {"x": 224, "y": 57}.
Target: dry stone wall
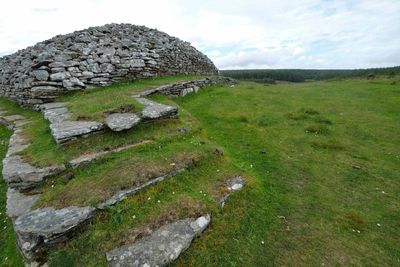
{"x": 94, "y": 57}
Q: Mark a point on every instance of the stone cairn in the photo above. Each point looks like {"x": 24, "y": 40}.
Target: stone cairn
{"x": 93, "y": 57}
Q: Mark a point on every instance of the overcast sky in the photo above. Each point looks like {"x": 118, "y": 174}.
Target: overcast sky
{"x": 233, "y": 33}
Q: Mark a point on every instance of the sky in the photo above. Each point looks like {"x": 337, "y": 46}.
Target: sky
{"x": 235, "y": 34}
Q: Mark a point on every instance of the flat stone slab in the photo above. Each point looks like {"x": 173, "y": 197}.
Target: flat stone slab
{"x": 17, "y": 143}
{"x": 19, "y": 203}
{"x": 162, "y": 246}
{"x": 56, "y": 115}
{"x": 53, "y": 105}
{"x": 10, "y": 121}
{"x": 155, "y": 110}
{"x": 41, "y": 227}
{"x": 19, "y": 174}
{"x": 122, "y": 121}
{"x": 67, "y": 130}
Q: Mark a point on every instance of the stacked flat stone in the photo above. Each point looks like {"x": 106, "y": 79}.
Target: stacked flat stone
{"x": 94, "y": 57}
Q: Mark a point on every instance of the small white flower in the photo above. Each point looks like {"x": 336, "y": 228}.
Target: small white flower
{"x": 173, "y": 164}
{"x": 201, "y": 192}
{"x": 158, "y": 201}
{"x": 358, "y": 231}
{"x": 173, "y": 193}
{"x": 262, "y": 242}
{"x": 133, "y": 216}
{"x": 52, "y": 185}
{"x": 378, "y": 224}
{"x": 251, "y": 165}
{"x": 383, "y": 192}
{"x": 149, "y": 198}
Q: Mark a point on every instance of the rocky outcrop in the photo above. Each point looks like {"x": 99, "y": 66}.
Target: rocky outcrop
{"x": 94, "y": 57}
{"x": 162, "y": 247}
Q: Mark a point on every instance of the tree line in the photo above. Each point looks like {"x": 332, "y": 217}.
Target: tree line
{"x": 301, "y": 75}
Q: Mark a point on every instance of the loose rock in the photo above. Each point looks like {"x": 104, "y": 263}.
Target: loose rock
{"x": 122, "y": 121}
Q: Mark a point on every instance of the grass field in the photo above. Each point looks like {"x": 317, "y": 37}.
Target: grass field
{"x": 320, "y": 161}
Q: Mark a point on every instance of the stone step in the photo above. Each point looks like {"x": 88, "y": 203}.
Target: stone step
{"x": 19, "y": 203}
{"x": 162, "y": 247}
{"x": 38, "y": 229}
{"x": 62, "y": 128}
{"x": 22, "y": 175}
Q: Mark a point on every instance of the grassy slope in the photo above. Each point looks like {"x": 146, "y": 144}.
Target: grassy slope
{"x": 326, "y": 180}
{"x": 316, "y": 158}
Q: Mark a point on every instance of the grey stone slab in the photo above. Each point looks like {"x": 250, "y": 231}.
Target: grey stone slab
{"x": 19, "y": 174}
{"x": 39, "y": 228}
{"x": 121, "y": 121}
{"x": 19, "y": 203}
{"x": 153, "y": 110}
{"x": 53, "y": 105}
{"x": 160, "y": 248}
{"x": 56, "y": 115}
{"x": 67, "y": 130}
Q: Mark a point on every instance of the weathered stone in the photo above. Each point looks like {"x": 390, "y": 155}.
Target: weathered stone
{"x": 60, "y": 76}
{"x": 162, "y": 247}
{"x": 153, "y": 110}
{"x": 41, "y": 75}
{"x": 19, "y": 203}
{"x": 67, "y": 130}
{"x": 121, "y": 121}
{"x": 39, "y": 228}
{"x": 19, "y": 174}
{"x": 73, "y": 82}
{"x": 57, "y": 115}
{"x": 45, "y": 91}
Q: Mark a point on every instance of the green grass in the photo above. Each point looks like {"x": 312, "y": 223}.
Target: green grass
{"x": 93, "y": 103}
{"x": 320, "y": 162}
{"x": 303, "y": 141}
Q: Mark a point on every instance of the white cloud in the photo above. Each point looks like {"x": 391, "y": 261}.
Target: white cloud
{"x": 235, "y": 33}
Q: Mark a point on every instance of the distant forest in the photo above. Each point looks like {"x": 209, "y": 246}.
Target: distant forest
{"x": 301, "y": 75}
